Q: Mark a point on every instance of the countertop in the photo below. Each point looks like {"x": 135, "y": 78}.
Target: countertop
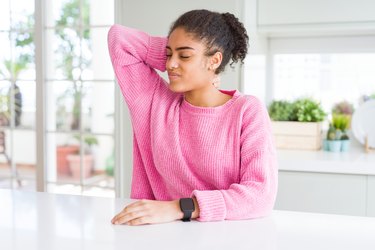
{"x": 31, "y": 220}
{"x": 355, "y": 161}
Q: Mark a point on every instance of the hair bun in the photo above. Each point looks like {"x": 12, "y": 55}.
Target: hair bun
{"x": 240, "y": 37}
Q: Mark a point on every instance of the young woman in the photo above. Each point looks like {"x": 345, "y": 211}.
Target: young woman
{"x": 199, "y": 152}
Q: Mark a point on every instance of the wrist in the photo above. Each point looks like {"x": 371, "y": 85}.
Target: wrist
{"x": 195, "y": 214}
{"x": 176, "y": 205}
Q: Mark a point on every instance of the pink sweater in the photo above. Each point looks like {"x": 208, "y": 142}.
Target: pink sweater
{"x": 224, "y": 156}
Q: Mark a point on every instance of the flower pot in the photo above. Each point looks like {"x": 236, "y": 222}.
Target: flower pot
{"x": 61, "y": 158}
{"x": 345, "y": 144}
{"x": 334, "y": 145}
{"x": 75, "y": 165}
{"x": 297, "y": 135}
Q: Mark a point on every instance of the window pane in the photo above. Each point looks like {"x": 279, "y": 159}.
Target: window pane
{"x": 23, "y": 55}
{"x": 63, "y": 105}
{"x": 4, "y": 15}
{"x": 59, "y": 147}
{"x": 98, "y": 117}
{"x": 98, "y": 65}
{"x": 4, "y": 55}
{"x": 22, "y": 13}
{"x": 5, "y": 165}
{"x": 101, "y": 12}
{"x": 62, "y": 13}
{"x": 5, "y": 114}
{"x": 24, "y": 154}
{"x": 327, "y": 77}
{"x": 63, "y": 52}
{"x": 26, "y": 106}
{"x": 98, "y": 160}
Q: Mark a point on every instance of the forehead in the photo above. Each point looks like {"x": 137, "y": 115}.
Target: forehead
{"x": 180, "y": 38}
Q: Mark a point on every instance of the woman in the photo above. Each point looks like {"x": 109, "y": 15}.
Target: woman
{"x": 199, "y": 152}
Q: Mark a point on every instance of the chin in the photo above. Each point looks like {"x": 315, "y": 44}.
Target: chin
{"x": 177, "y": 88}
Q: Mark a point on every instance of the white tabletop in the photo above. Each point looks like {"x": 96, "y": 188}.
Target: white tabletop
{"x": 30, "y": 220}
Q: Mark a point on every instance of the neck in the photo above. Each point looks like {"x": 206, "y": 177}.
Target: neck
{"x": 207, "y": 97}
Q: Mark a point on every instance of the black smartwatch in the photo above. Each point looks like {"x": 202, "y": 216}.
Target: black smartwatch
{"x": 187, "y": 207}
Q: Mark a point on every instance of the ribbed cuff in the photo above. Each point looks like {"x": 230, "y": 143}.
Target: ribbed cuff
{"x": 211, "y": 205}
{"x": 157, "y": 52}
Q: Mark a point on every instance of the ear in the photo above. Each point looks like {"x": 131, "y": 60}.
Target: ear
{"x": 216, "y": 60}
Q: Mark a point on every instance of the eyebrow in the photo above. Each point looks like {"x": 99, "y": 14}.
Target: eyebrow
{"x": 180, "y": 48}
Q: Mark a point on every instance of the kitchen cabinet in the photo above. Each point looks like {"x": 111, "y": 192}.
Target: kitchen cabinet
{"x": 322, "y": 193}
{"x": 371, "y": 196}
{"x": 290, "y": 12}
{"x": 325, "y": 182}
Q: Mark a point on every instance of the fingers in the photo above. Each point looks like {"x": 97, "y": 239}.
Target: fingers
{"x": 128, "y": 217}
{"x": 130, "y": 212}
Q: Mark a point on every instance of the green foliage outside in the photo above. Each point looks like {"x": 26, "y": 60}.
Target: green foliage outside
{"x": 12, "y": 68}
{"x": 69, "y": 60}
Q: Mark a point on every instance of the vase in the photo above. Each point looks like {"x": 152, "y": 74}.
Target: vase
{"x": 75, "y": 165}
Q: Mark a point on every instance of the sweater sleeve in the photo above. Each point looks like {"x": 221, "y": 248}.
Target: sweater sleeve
{"x": 255, "y": 194}
{"x": 135, "y": 55}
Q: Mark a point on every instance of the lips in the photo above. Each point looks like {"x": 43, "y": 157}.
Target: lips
{"x": 173, "y": 76}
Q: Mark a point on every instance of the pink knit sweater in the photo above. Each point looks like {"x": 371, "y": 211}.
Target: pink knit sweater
{"x": 224, "y": 156}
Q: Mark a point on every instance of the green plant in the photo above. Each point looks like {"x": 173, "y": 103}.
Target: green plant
{"x": 343, "y": 107}
{"x": 12, "y": 68}
{"x": 280, "y": 110}
{"x": 69, "y": 59}
{"x": 341, "y": 123}
{"x": 308, "y": 110}
{"x": 88, "y": 140}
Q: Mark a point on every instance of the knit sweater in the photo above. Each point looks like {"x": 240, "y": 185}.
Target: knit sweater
{"x": 224, "y": 156}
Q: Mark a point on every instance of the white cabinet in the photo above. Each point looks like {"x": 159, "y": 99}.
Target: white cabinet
{"x": 371, "y": 196}
{"x": 276, "y": 12}
{"x": 322, "y": 193}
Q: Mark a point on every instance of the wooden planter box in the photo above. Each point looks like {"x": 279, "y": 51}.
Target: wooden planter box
{"x": 298, "y": 135}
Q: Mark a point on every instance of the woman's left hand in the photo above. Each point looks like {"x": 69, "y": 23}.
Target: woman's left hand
{"x": 149, "y": 212}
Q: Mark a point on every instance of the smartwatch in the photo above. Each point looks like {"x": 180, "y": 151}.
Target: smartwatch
{"x": 187, "y": 207}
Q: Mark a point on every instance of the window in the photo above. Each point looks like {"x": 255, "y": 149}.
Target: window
{"x": 17, "y": 95}
{"x": 79, "y": 105}
{"x": 80, "y": 97}
{"x": 327, "y": 77}
{"x": 327, "y": 68}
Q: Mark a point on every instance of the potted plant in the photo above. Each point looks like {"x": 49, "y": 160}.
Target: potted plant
{"x": 343, "y": 108}
{"x": 337, "y": 137}
{"x": 297, "y": 125}
{"x": 87, "y": 160}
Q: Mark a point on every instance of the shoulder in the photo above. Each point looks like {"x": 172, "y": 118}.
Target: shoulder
{"x": 254, "y": 113}
{"x": 252, "y": 105}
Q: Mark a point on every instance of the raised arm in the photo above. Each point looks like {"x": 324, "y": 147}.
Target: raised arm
{"x": 255, "y": 194}
{"x": 135, "y": 55}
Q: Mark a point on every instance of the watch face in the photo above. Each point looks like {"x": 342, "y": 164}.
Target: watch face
{"x": 187, "y": 204}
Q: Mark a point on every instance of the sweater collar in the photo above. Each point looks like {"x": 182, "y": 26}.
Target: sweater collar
{"x": 185, "y": 105}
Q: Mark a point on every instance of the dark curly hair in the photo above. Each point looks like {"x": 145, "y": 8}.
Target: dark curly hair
{"x": 220, "y": 32}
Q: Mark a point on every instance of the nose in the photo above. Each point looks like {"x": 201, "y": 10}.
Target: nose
{"x": 171, "y": 63}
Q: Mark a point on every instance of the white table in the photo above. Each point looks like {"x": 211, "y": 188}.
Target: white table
{"x": 30, "y": 220}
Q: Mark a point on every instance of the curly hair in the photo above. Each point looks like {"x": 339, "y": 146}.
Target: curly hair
{"x": 219, "y": 31}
